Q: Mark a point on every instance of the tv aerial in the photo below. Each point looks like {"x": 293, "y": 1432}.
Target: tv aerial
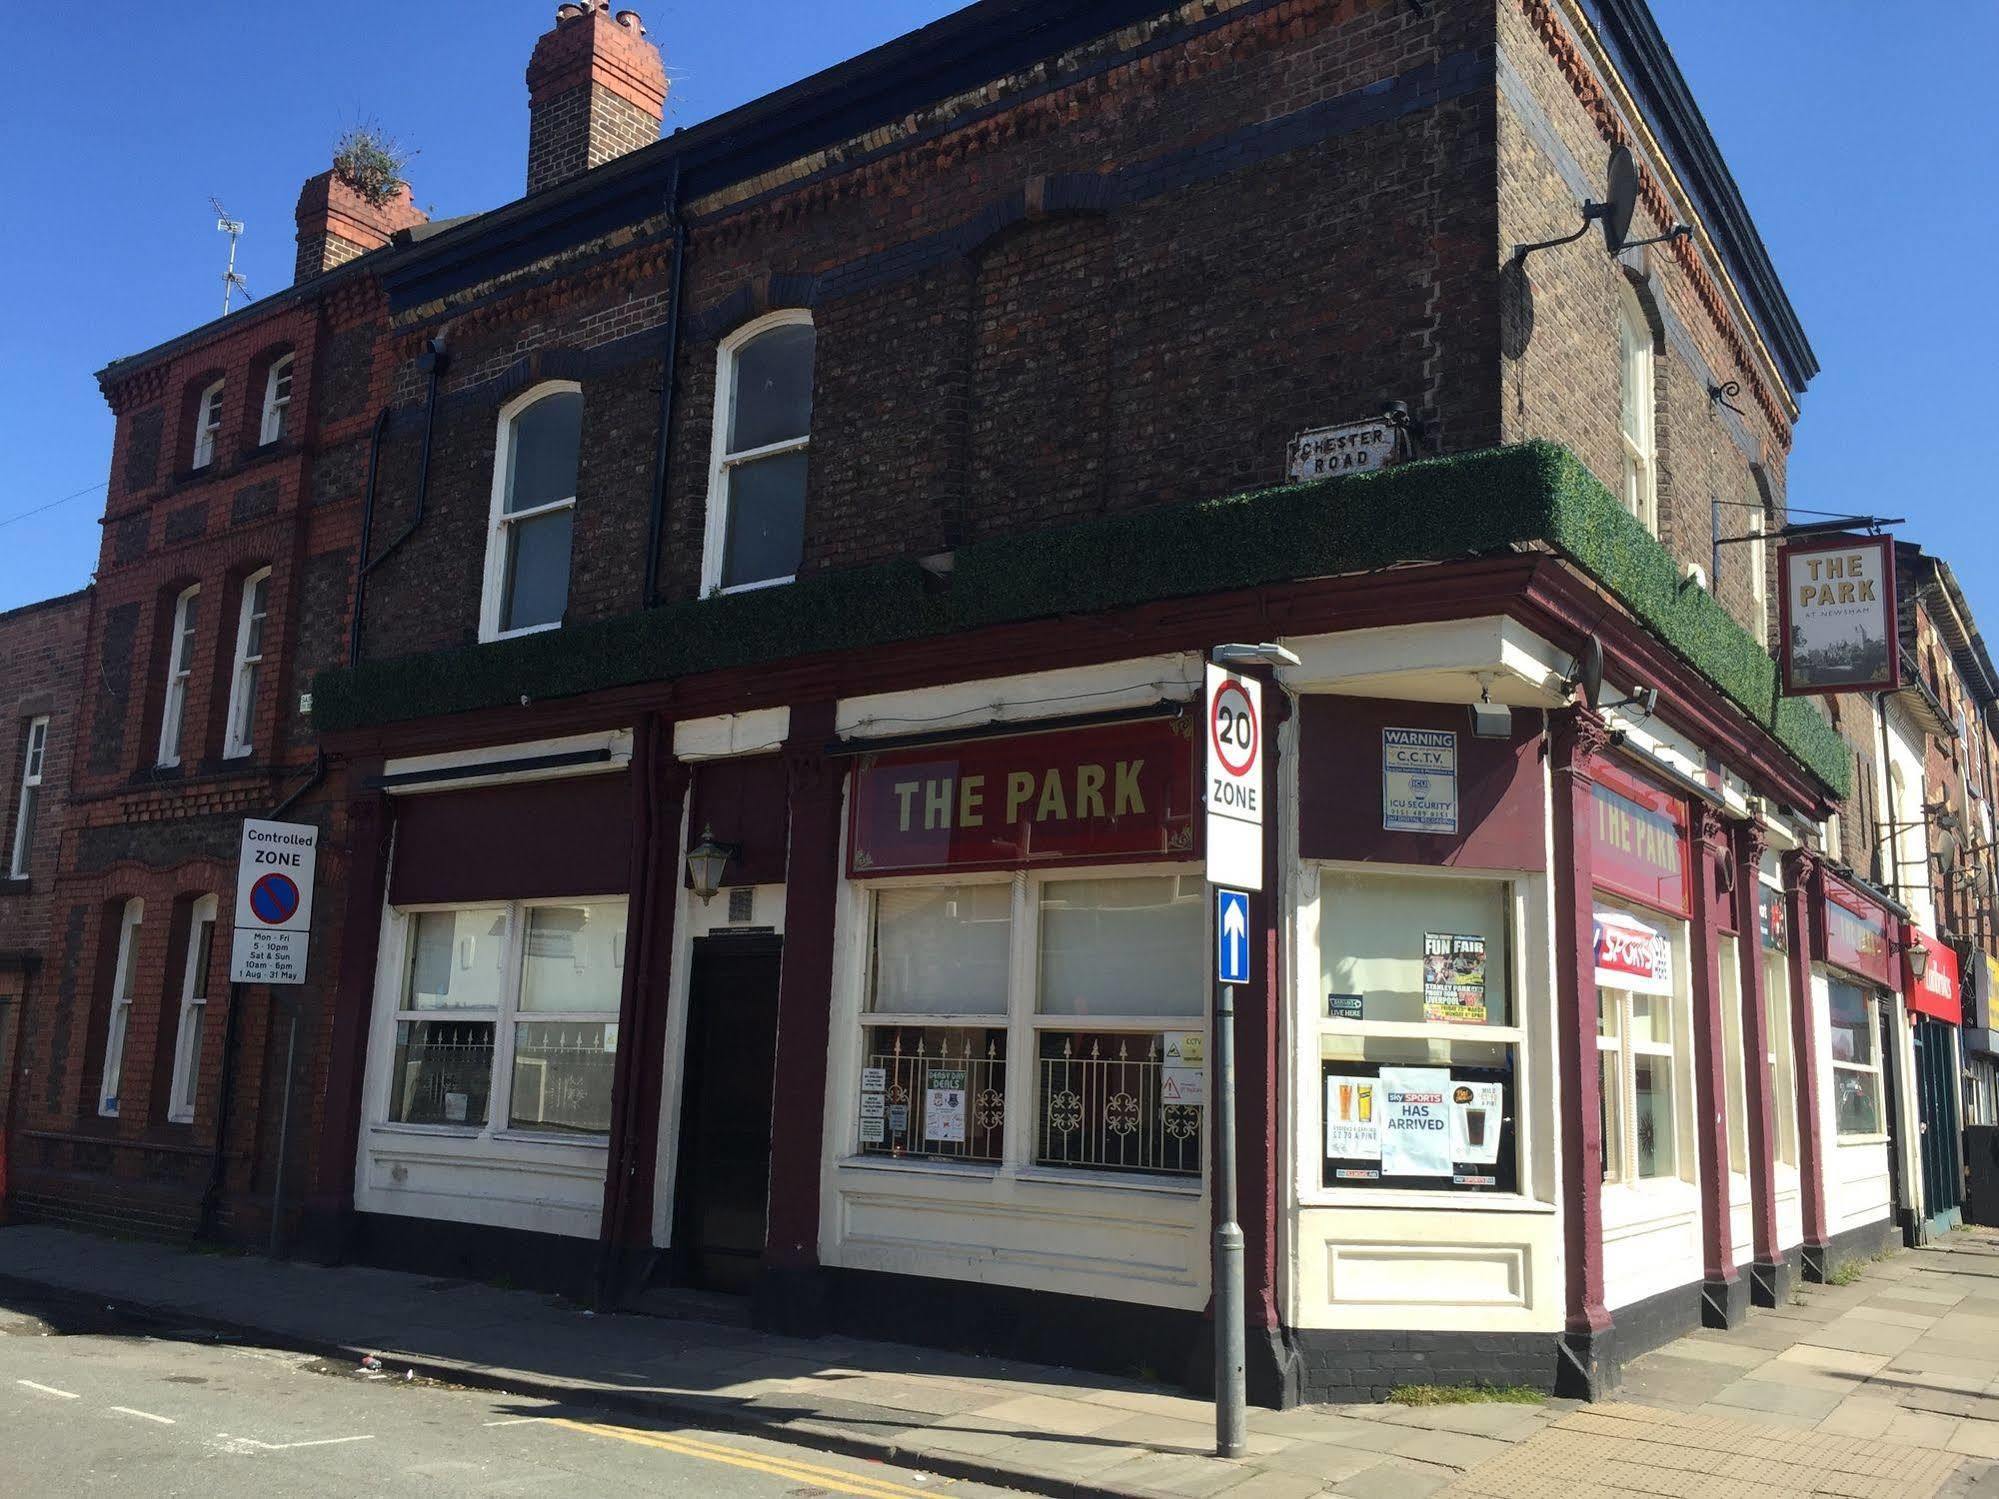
{"x": 1614, "y": 214}
{"x": 231, "y": 281}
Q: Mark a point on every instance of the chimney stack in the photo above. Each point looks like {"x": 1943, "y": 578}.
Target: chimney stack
{"x": 596, "y": 90}
{"x": 337, "y": 222}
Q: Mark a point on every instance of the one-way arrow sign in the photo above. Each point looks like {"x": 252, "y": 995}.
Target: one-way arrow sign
{"x": 1232, "y": 936}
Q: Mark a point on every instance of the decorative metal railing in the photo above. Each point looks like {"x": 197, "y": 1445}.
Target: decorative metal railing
{"x": 563, "y": 1077}
{"x": 941, "y": 1093}
{"x": 1099, "y": 1104}
{"x": 444, "y": 1072}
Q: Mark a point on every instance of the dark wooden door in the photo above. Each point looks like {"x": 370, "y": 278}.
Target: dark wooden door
{"x": 723, "y": 1179}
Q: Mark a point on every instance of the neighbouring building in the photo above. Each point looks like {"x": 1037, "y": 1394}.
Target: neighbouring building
{"x": 41, "y": 675}
{"x": 151, "y": 1093}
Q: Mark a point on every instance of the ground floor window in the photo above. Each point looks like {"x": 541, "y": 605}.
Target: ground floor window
{"x": 1638, "y": 1030}
{"x": 1856, "y": 1060}
{"x": 193, "y": 1010}
{"x": 1783, "y": 1077}
{"x": 1418, "y": 1034}
{"x": 1098, "y": 981}
{"x": 124, "y": 980}
{"x": 508, "y": 1017}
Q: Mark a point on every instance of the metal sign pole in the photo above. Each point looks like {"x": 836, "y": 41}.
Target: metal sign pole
{"x": 284, "y": 1130}
{"x": 1231, "y": 1390}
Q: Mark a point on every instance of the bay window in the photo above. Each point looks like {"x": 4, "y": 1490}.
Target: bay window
{"x": 1856, "y": 1061}
{"x": 763, "y": 431}
{"x": 508, "y": 1017}
{"x": 1419, "y": 1039}
{"x": 34, "y": 753}
{"x": 533, "y": 511}
{"x": 1100, "y": 980}
{"x": 180, "y": 670}
{"x": 248, "y": 666}
{"x": 193, "y": 1011}
{"x": 124, "y": 980}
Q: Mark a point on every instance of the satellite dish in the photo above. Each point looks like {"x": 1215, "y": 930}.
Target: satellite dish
{"x": 1591, "y": 678}
{"x": 1623, "y": 198}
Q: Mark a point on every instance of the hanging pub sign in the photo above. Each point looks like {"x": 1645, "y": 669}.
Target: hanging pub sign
{"x": 1856, "y": 934}
{"x": 1109, "y": 794}
{"x": 1629, "y": 954}
{"x": 1639, "y": 841}
{"x": 1837, "y": 618}
{"x": 1773, "y": 918}
{"x": 1938, "y": 993}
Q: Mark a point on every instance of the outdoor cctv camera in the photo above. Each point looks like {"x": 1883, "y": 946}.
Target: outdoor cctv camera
{"x": 1491, "y": 721}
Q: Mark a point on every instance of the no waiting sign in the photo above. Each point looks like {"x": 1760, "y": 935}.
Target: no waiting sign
{"x": 274, "y": 870}
{"x": 1233, "y": 787}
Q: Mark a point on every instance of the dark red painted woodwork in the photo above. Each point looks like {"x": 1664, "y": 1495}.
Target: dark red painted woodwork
{"x": 1578, "y": 739}
{"x": 1081, "y": 796}
{"x": 330, "y": 1197}
{"x": 1802, "y": 879}
{"x": 1748, "y": 856}
{"x": 1640, "y": 841}
{"x": 810, "y": 899}
{"x": 1854, "y": 932}
{"x": 1339, "y": 787}
{"x": 742, "y": 801}
{"x": 1939, "y": 993}
{"x": 568, "y": 837}
{"x": 1709, "y": 1058}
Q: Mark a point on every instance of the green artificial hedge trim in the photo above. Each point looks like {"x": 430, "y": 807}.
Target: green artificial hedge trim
{"x": 1465, "y": 505}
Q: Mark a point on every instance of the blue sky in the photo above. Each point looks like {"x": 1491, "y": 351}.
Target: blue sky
{"x": 1846, "y": 127}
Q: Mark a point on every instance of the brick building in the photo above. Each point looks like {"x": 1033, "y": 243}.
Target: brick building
{"x": 151, "y": 1090}
{"x": 41, "y": 676}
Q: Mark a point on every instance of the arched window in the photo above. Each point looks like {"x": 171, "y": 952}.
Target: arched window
{"x": 763, "y": 427}
{"x": 207, "y": 424}
{"x": 194, "y": 985}
{"x": 277, "y": 400}
{"x": 124, "y": 980}
{"x": 1641, "y": 457}
{"x": 180, "y": 669}
{"x": 248, "y": 666}
{"x": 534, "y": 511}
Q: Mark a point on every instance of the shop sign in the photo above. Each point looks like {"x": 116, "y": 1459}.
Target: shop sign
{"x": 1631, "y": 955}
{"x": 1856, "y": 934}
{"x": 1773, "y": 916}
{"x": 1938, "y": 992}
{"x": 1113, "y": 794}
{"x": 1838, "y": 623}
{"x": 1350, "y": 448}
{"x": 1640, "y": 841}
{"x": 1984, "y": 985}
{"x": 1419, "y": 781}
{"x": 1454, "y": 978}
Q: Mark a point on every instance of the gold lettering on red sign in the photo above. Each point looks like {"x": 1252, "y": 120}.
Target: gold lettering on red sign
{"x": 1061, "y": 794}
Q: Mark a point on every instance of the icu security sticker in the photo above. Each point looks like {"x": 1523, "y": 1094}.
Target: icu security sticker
{"x": 1419, "y": 781}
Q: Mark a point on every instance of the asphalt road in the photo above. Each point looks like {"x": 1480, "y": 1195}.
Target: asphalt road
{"x": 91, "y": 1402}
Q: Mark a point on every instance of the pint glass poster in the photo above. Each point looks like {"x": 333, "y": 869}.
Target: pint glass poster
{"x": 1837, "y": 616}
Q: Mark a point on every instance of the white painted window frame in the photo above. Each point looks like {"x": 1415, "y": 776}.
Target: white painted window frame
{"x": 197, "y": 976}
{"x": 1870, "y": 999}
{"x": 1023, "y": 1021}
{"x": 722, "y": 462}
{"x": 1781, "y": 1056}
{"x": 277, "y": 402}
{"x": 180, "y": 671}
{"x": 505, "y": 1018}
{"x": 124, "y": 980}
{"x": 1637, "y": 411}
{"x": 499, "y": 521}
{"x": 34, "y": 755}
{"x": 208, "y": 424}
{"x": 240, "y": 740}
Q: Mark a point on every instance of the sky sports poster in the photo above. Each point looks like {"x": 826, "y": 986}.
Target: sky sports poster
{"x": 1837, "y": 615}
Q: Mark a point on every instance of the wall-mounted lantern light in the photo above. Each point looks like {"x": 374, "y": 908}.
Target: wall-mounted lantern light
{"x": 705, "y": 863}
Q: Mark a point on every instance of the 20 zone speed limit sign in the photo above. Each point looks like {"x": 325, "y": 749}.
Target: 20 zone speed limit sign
{"x": 1233, "y": 788}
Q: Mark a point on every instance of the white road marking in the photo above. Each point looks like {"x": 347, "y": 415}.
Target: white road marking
{"x": 517, "y": 1421}
{"x": 48, "y": 1389}
{"x": 126, "y": 1410}
{"x": 251, "y": 1444}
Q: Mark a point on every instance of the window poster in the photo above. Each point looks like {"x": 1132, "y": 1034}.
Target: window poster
{"x": 1454, "y": 978}
{"x": 1184, "y": 1077}
{"x": 1415, "y": 1121}
{"x": 1476, "y": 1109}
{"x": 1353, "y": 1114}
{"x": 944, "y": 1105}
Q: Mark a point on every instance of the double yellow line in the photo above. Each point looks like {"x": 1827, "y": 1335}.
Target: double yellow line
{"x": 837, "y": 1479}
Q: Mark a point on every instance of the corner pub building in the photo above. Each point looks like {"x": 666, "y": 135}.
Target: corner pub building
{"x": 771, "y": 760}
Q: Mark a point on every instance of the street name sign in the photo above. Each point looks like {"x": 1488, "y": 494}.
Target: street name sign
{"x": 274, "y": 873}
